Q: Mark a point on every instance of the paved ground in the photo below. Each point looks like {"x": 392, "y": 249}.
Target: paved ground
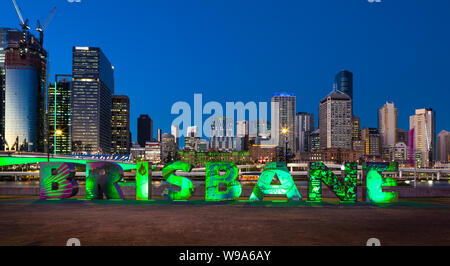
{"x": 32, "y": 222}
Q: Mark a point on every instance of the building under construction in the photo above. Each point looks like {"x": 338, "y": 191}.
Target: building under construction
{"x": 23, "y": 80}
{"x": 25, "y": 90}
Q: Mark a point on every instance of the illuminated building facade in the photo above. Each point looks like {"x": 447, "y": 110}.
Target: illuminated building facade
{"x": 59, "y": 115}
{"x": 168, "y": 147}
{"x": 175, "y": 131}
{"x": 263, "y": 153}
{"x": 424, "y": 125}
{"x": 335, "y": 121}
{"x": 25, "y": 87}
{"x": 443, "y": 147}
{"x": 4, "y": 39}
{"x": 315, "y": 140}
{"x": 286, "y": 119}
{"x": 259, "y": 128}
{"x": 93, "y": 87}
{"x": 198, "y": 159}
{"x": 402, "y": 136}
{"x": 387, "y": 124}
{"x": 153, "y": 152}
{"x": 372, "y": 142}
{"x": 222, "y": 127}
{"x": 242, "y": 128}
{"x": 120, "y": 125}
{"x": 304, "y": 123}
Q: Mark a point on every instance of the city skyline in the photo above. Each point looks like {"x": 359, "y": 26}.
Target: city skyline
{"x": 311, "y": 78}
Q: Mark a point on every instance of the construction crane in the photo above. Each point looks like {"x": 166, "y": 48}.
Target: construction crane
{"x": 23, "y": 24}
{"x": 43, "y": 27}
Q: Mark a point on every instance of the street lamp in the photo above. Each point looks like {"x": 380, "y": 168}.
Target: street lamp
{"x": 56, "y": 134}
{"x": 285, "y": 132}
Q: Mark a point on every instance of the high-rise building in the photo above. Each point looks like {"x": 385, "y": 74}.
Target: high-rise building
{"x": 259, "y": 128}
{"x": 137, "y": 152}
{"x": 120, "y": 125}
{"x": 304, "y": 127}
{"x": 357, "y": 142}
{"x": 315, "y": 140}
{"x": 153, "y": 152}
{"x": 159, "y": 135}
{"x": 175, "y": 131}
{"x": 344, "y": 83}
{"x": 168, "y": 147}
{"x": 335, "y": 121}
{"x": 387, "y": 124}
{"x": 190, "y": 142}
{"x": 443, "y": 147}
{"x": 192, "y": 131}
{"x": 286, "y": 119}
{"x": 402, "y": 136}
{"x": 356, "y": 128}
{"x": 93, "y": 87}
{"x": 372, "y": 142}
{"x": 4, "y": 39}
{"x": 59, "y": 114}
{"x": 242, "y": 128}
{"x": 145, "y": 130}
{"x": 424, "y": 125}
{"x": 222, "y": 127}
{"x": 25, "y": 87}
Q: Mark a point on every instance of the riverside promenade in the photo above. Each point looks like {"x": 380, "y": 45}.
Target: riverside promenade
{"x": 27, "y": 221}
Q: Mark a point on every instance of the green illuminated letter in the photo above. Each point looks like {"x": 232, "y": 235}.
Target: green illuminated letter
{"x": 263, "y": 186}
{"x": 213, "y": 179}
{"x": 143, "y": 181}
{"x": 185, "y": 184}
{"x": 344, "y": 187}
{"x": 57, "y": 181}
{"x": 375, "y": 181}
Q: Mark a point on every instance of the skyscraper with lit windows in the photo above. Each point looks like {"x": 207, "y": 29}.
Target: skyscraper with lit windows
{"x": 335, "y": 121}
{"x": 424, "y": 125}
{"x": 120, "y": 125}
{"x": 59, "y": 114}
{"x": 286, "y": 119}
{"x": 93, "y": 87}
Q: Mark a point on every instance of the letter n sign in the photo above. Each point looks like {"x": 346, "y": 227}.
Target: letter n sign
{"x": 343, "y": 186}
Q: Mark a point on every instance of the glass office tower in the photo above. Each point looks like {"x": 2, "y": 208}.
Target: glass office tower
{"x": 344, "y": 82}
{"x": 286, "y": 120}
{"x": 120, "y": 125}
{"x": 93, "y": 87}
{"x": 145, "y": 129}
{"x": 304, "y": 123}
{"x": 59, "y": 115}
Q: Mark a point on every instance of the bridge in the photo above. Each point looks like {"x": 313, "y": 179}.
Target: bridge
{"x": 296, "y": 169}
{"x": 32, "y": 158}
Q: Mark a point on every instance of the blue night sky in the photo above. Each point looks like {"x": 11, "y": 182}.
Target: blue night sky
{"x": 245, "y": 50}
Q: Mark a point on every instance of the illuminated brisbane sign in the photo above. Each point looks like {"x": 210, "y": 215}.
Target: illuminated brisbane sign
{"x": 57, "y": 181}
